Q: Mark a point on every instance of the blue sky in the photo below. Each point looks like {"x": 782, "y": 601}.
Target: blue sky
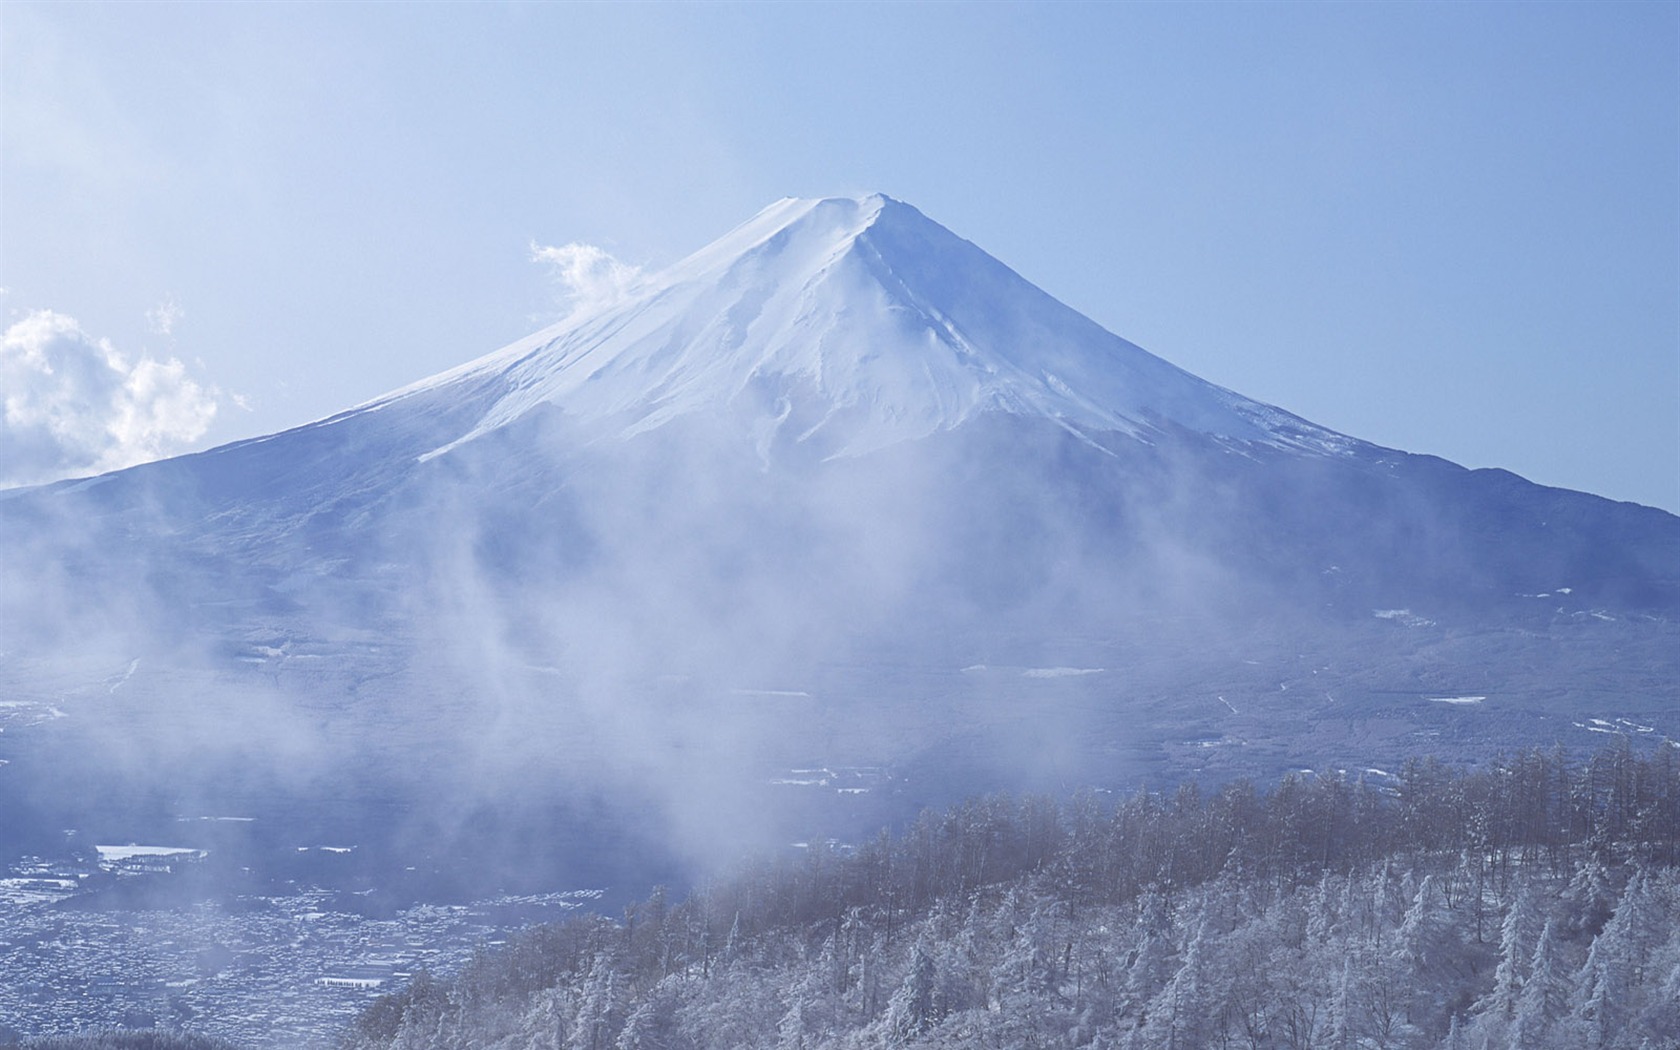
{"x": 1453, "y": 229}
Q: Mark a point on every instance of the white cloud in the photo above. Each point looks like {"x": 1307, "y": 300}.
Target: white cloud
{"x": 588, "y": 277}
{"x": 163, "y": 317}
{"x": 71, "y": 404}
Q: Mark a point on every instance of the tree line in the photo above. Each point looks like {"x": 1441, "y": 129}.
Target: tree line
{"x": 1527, "y": 903}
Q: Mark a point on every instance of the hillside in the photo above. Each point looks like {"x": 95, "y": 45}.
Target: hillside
{"x": 1531, "y": 904}
{"x": 835, "y": 519}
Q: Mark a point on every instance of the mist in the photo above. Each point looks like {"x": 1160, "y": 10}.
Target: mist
{"x": 643, "y": 636}
{"x": 834, "y": 521}
{"x": 540, "y": 658}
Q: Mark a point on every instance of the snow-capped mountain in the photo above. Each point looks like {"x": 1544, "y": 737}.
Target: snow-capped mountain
{"x": 836, "y": 516}
{"x": 851, "y": 324}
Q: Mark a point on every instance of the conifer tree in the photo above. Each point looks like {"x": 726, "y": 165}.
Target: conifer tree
{"x": 1544, "y": 1000}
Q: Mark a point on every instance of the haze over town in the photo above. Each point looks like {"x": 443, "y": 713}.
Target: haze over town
{"x": 538, "y": 527}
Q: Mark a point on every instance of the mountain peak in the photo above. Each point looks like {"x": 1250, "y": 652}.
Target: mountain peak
{"x": 849, "y": 324}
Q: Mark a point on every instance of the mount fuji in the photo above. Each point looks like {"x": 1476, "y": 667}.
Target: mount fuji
{"x": 851, "y": 325}
{"x": 834, "y": 518}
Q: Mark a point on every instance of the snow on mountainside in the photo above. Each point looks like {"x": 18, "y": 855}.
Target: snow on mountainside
{"x": 929, "y": 411}
{"x": 839, "y": 491}
{"x": 850, "y": 325}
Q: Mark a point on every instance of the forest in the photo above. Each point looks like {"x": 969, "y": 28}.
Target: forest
{"x": 1531, "y": 902}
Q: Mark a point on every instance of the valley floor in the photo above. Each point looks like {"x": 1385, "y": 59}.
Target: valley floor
{"x": 281, "y": 972}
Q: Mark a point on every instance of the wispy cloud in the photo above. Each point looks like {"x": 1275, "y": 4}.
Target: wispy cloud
{"x": 587, "y": 276}
{"x": 73, "y": 405}
{"x": 163, "y": 317}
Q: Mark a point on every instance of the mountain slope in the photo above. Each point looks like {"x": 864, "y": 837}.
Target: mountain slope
{"x": 851, "y": 324}
{"x": 837, "y": 492}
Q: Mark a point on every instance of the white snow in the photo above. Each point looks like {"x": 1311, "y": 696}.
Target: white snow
{"x": 1061, "y": 672}
{"x": 1618, "y": 725}
{"x": 113, "y": 854}
{"x": 1404, "y": 616}
{"x": 1595, "y": 729}
{"x": 133, "y": 666}
{"x": 849, "y": 324}
{"x": 35, "y": 710}
{"x": 1456, "y": 699}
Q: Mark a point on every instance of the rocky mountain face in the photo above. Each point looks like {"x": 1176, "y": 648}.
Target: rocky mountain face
{"x": 837, "y": 517}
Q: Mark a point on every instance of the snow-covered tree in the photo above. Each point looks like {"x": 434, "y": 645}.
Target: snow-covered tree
{"x": 1544, "y": 1000}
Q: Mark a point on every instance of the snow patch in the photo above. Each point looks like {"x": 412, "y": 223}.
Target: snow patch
{"x": 1061, "y": 672}
{"x": 1618, "y": 725}
{"x": 1402, "y": 616}
{"x": 133, "y": 665}
{"x": 117, "y": 854}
